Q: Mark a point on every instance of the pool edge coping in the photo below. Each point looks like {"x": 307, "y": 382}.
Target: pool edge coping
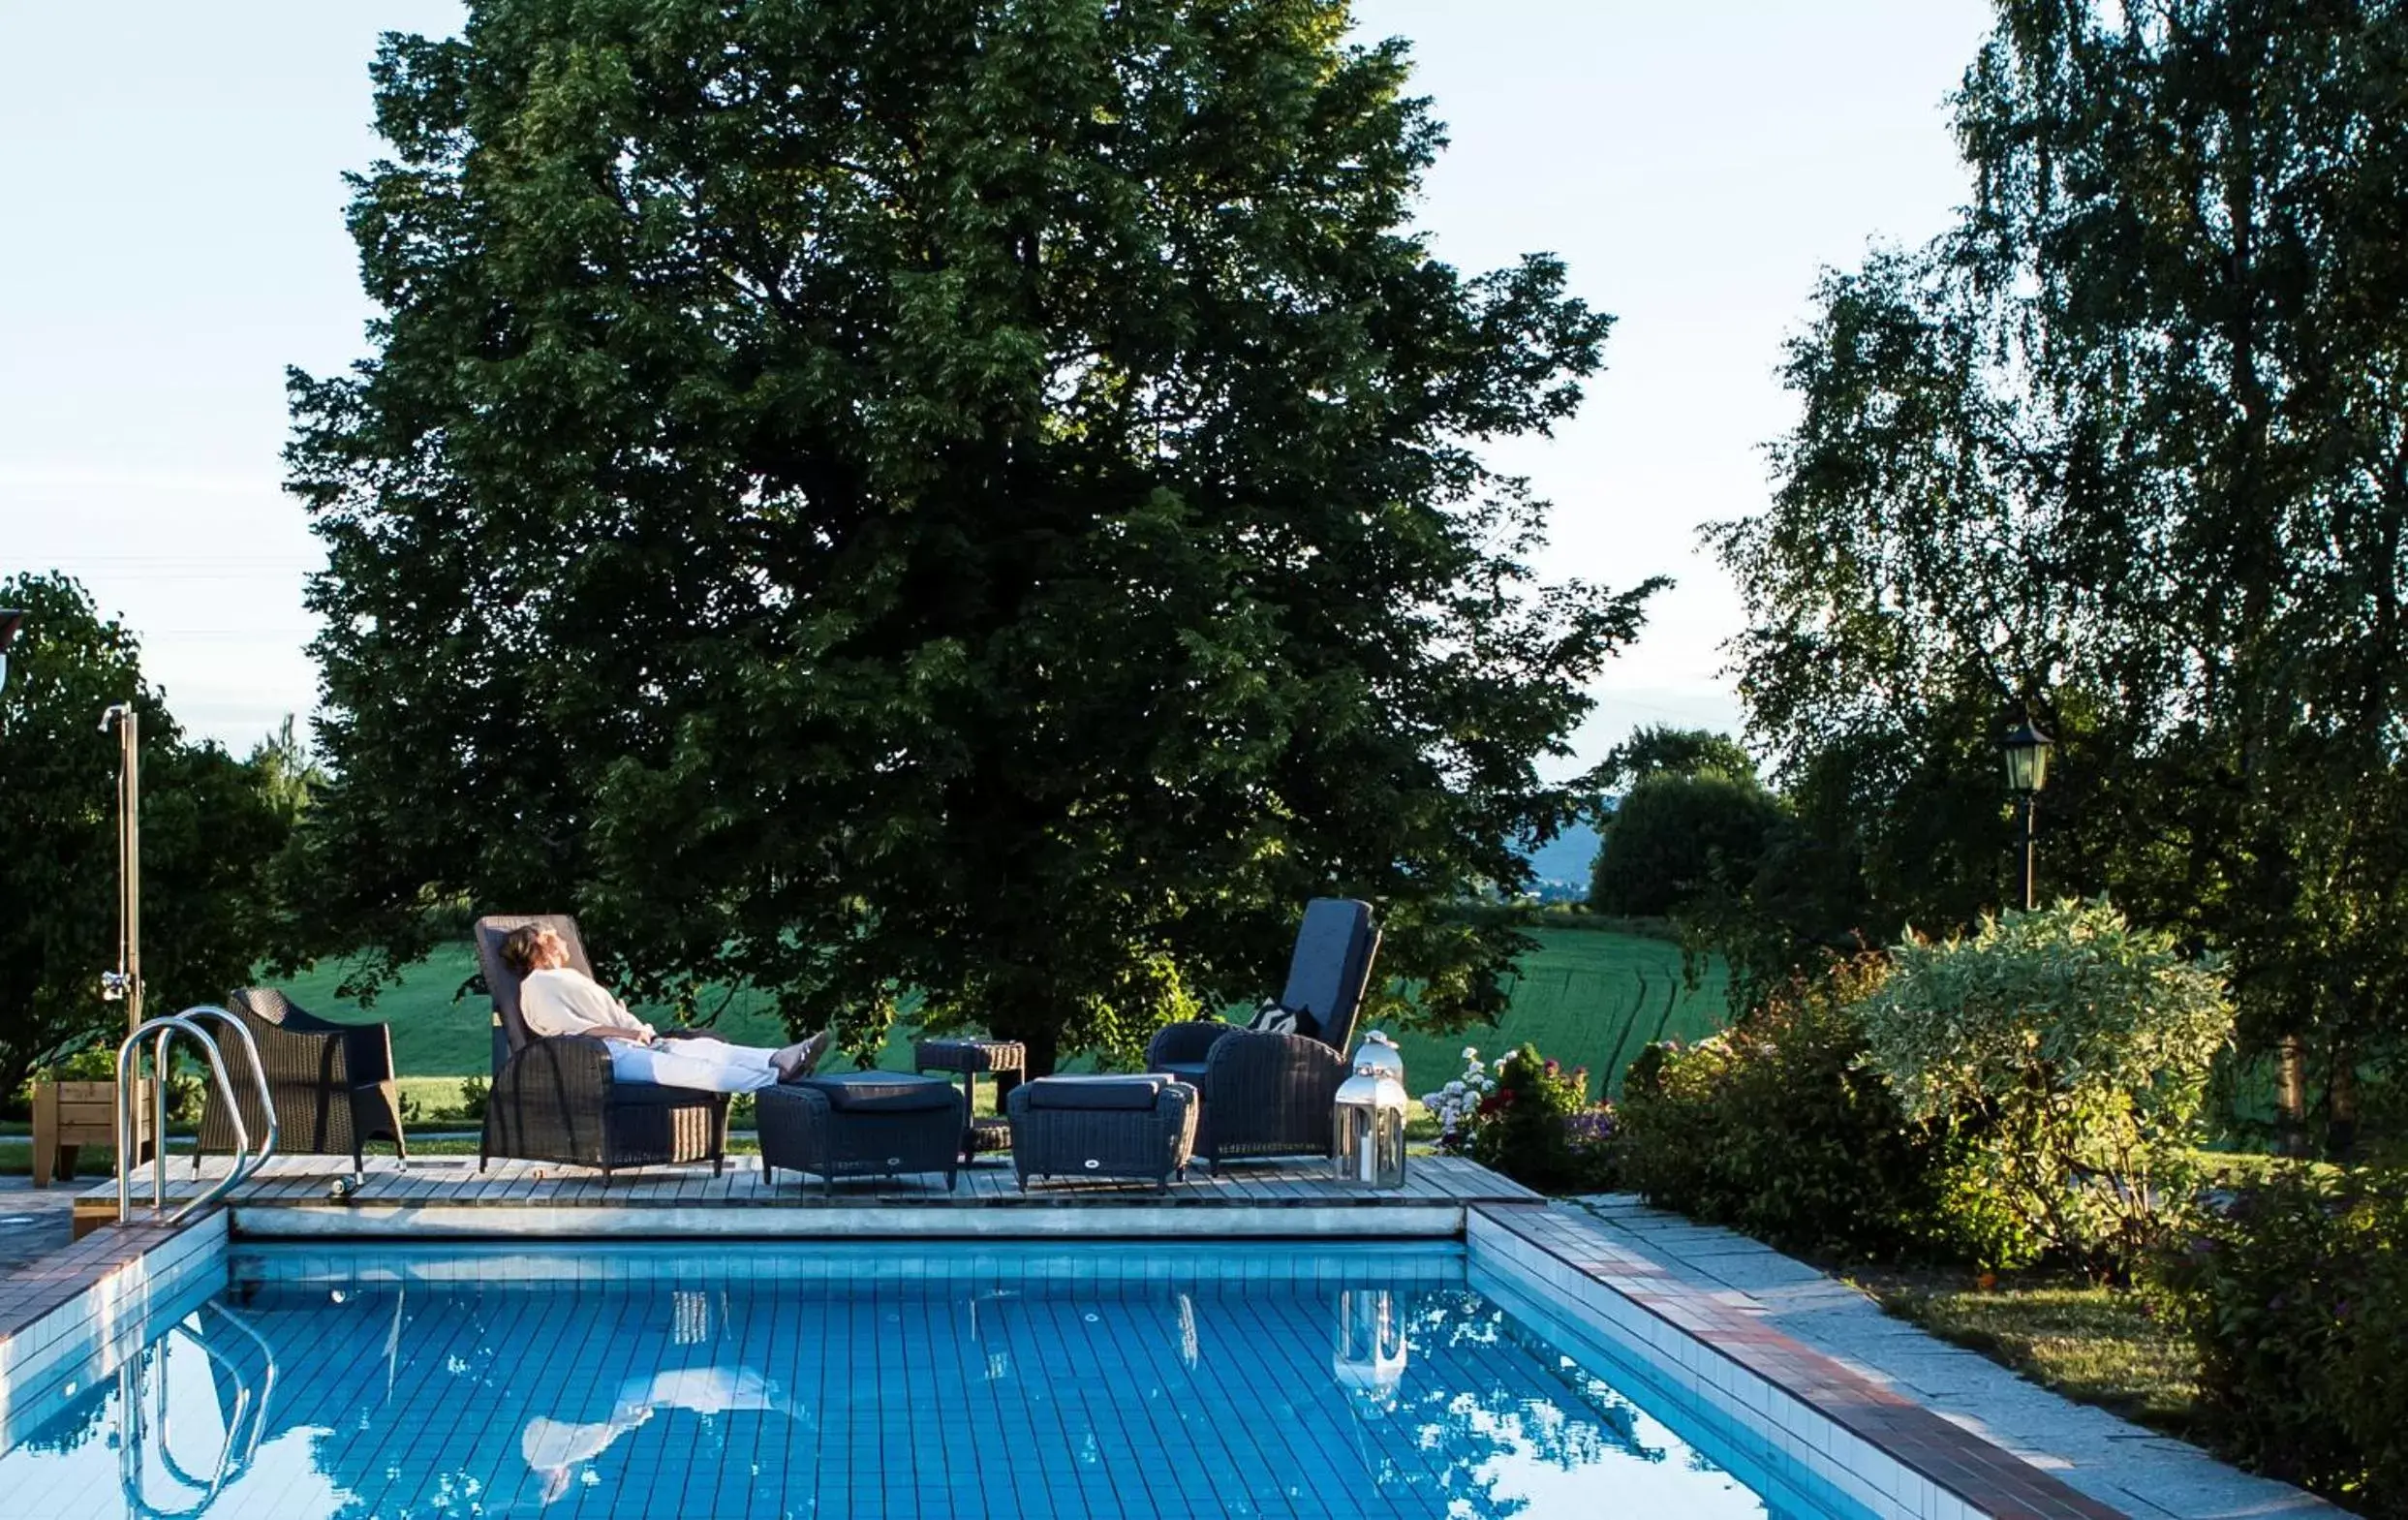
{"x": 45, "y": 1304}
{"x": 1773, "y": 1383}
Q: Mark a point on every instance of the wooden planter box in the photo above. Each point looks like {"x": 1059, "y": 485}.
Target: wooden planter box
{"x": 71, "y": 1114}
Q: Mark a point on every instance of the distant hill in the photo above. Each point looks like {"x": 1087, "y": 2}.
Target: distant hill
{"x": 1566, "y": 861}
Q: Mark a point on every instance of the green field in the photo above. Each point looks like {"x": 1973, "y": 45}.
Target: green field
{"x": 1587, "y": 997}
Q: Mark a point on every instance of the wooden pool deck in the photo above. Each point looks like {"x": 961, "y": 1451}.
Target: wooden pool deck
{"x": 447, "y": 1197}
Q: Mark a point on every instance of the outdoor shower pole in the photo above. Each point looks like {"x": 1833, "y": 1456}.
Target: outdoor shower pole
{"x": 128, "y": 979}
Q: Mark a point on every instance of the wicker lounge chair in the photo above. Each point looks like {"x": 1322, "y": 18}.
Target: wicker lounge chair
{"x": 862, "y": 1124}
{"x": 1270, "y": 1094}
{"x": 1133, "y": 1127}
{"x": 332, "y": 1084}
{"x": 555, "y": 1099}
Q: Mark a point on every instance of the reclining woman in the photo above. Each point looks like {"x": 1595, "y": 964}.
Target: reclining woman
{"x": 554, "y": 998}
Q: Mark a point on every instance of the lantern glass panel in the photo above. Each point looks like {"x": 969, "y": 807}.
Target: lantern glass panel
{"x": 2027, "y": 752}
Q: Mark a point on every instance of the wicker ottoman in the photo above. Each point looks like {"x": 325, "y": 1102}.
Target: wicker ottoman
{"x": 859, "y": 1124}
{"x": 1136, "y": 1127}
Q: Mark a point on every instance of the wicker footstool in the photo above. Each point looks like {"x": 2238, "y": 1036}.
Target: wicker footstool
{"x": 969, "y": 1057}
{"x": 859, "y": 1124}
{"x": 1136, "y": 1127}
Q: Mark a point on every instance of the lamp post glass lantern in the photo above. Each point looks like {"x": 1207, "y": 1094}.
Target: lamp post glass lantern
{"x": 2026, "y": 751}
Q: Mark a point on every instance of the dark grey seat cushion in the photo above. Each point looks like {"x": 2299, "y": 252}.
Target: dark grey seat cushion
{"x": 1140, "y": 1092}
{"x": 881, "y": 1092}
{"x": 1191, "y": 1073}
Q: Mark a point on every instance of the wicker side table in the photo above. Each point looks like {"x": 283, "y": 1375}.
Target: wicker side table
{"x": 968, "y": 1058}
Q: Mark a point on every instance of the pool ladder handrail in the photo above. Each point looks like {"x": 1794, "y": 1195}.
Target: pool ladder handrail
{"x": 246, "y": 1164}
{"x": 132, "y": 1379}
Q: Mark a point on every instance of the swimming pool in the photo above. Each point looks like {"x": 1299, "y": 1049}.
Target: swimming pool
{"x": 1112, "y": 1379}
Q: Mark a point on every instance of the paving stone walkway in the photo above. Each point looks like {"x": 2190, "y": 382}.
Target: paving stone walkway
{"x": 2114, "y": 1461}
{"x": 33, "y": 1221}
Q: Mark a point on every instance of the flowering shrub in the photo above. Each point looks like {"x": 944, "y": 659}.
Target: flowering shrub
{"x": 1592, "y": 1135}
{"x": 1535, "y": 1125}
{"x": 1457, "y": 1105}
{"x": 1529, "y": 1119}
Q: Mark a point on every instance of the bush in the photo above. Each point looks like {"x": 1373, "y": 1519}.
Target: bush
{"x": 1776, "y": 1128}
{"x": 1457, "y": 1107}
{"x": 1538, "y": 1127}
{"x": 1678, "y": 839}
{"x": 1531, "y": 1120}
{"x": 2064, "y": 1056}
{"x": 2295, "y": 1297}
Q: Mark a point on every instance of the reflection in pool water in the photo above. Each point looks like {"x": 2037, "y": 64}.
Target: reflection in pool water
{"x": 863, "y": 1396}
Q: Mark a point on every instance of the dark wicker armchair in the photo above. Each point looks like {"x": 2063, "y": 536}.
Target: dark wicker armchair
{"x": 555, "y": 1099}
{"x": 1270, "y": 1094}
{"x": 332, "y": 1084}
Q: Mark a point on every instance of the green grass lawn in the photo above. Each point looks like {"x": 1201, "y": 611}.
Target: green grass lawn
{"x": 2098, "y": 1344}
{"x": 1585, "y": 997}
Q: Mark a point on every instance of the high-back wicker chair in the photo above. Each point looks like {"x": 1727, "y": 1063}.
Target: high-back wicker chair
{"x": 332, "y": 1084}
{"x": 555, "y": 1099}
{"x": 1266, "y": 1093}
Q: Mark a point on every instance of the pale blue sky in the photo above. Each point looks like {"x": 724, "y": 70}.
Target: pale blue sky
{"x": 171, "y": 237}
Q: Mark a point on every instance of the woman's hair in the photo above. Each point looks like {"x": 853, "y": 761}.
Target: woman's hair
{"x": 518, "y": 949}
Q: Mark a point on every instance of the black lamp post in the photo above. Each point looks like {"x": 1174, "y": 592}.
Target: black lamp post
{"x": 2026, "y": 751}
{"x": 10, "y": 620}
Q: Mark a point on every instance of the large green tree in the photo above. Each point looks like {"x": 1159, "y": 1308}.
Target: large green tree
{"x": 1692, "y": 822}
{"x": 858, "y": 495}
{"x": 209, "y": 830}
{"x": 2129, "y": 445}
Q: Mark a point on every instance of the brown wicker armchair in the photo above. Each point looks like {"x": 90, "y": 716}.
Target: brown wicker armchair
{"x": 1270, "y": 1094}
{"x": 332, "y": 1084}
{"x": 555, "y": 1099}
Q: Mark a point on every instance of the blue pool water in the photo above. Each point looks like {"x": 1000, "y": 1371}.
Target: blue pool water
{"x": 1122, "y": 1380}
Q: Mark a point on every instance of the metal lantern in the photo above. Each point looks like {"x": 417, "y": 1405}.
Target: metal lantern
{"x": 1379, "y": 1050}
{"x": 1370, "y": 1359}
{"x": 2025, "y": 749}
{"x": 1368, "y": 1120}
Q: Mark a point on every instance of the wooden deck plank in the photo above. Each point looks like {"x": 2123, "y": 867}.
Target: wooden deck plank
{"x": 303, "y": 1182}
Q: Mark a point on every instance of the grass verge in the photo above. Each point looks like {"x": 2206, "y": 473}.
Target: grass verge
{"x": 2096, "y": 1344}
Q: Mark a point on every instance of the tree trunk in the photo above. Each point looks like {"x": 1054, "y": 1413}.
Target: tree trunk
{"x": 2291, "y": 1096}
{"x": 1043, "y": 1040}
{"x": 2341, "y": 1107}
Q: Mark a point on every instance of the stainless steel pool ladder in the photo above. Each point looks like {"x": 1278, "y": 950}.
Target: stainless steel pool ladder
{"x": 234, "y": 1456}
{"x": 129, "y": 1056}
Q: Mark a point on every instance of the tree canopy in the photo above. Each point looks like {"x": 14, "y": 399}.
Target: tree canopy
{"x": 209, "y": 832}
{"x": 1691, "y": 828}
{"x": 1655, "y": 748}
{"x": 875, "y": 494}
{"x": 1678, "y": 840}
{"x": 2129, "y": 446}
